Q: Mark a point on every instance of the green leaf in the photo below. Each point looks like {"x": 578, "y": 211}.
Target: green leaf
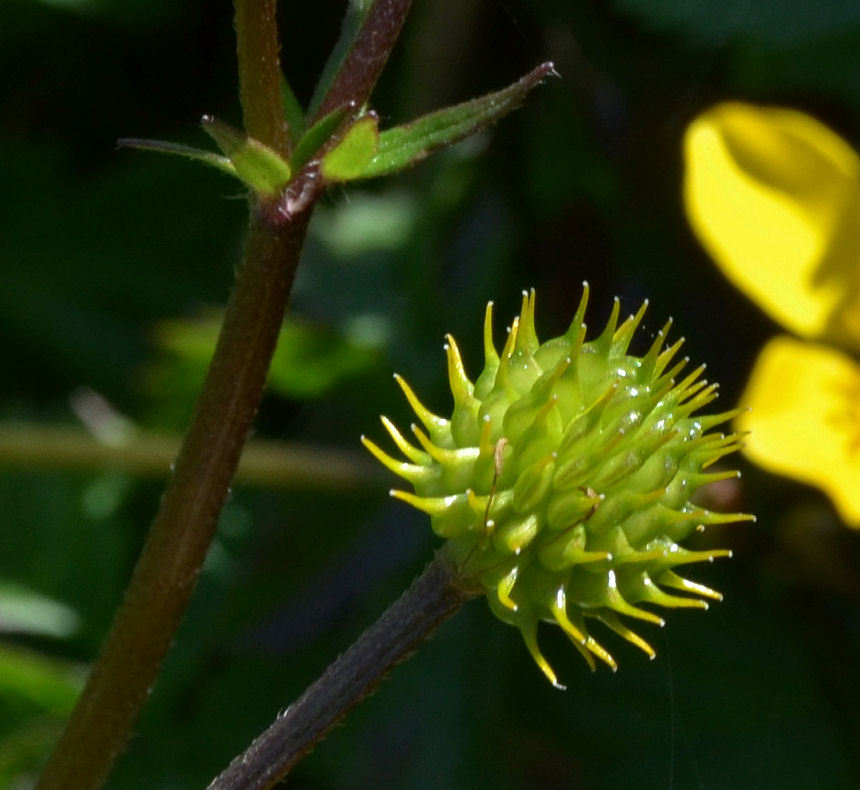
{"x": 37, "y": 694}
{"x": 405, "y": 145}
{"x": 43, "y": 684}
{"x": 311, "y": 360}
{"x": 257, "y": 165}
{"x": 313, "y": 138}
{"x": 350, "y": 158}
{"x": 221, "y": 163}
{"x": 293, "y": 112}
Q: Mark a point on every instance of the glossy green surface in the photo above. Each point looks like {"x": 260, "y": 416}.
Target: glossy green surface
{"x": 563, "y": 479}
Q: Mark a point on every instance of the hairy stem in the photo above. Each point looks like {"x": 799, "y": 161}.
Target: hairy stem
{"x": 260, "y": 73}
{"x": 367, "y": 56}
{"x": 170, "y": 562}
{"x": 432, "y": 598}
{"x": 167, "y": 570}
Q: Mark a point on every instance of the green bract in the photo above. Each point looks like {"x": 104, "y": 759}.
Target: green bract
{"x": 358, "y": 151}
{"x": 562, "y": 480}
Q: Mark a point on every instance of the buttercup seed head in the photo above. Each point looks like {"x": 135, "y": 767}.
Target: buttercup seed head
{"x": 562, "y": 480}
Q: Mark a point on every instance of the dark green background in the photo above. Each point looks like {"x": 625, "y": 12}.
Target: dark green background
{"x": 98, "y": 245}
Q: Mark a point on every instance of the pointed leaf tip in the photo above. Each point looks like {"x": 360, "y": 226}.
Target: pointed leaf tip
{"x": 256, "y": 165}
{"x": 210, "y": 158}
{"x": 315, "y": 137}
{"x": 408, "y": 144}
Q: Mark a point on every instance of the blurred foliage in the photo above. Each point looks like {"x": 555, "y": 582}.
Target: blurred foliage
{"x": 98, "y": 248}
{"x": 766, "y": 23}
{"x": 309, "y": 361}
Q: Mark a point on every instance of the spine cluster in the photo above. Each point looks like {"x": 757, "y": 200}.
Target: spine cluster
{"x": 562, "y": 480}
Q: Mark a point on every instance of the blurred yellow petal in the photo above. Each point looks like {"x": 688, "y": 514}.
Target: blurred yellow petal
{"x": 804, "y": 418}
{"x": 774, "y": 197}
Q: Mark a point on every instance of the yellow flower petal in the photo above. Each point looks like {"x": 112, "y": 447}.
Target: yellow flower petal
{"x": 804, "y": 418}
{"x": 774, "y": 197}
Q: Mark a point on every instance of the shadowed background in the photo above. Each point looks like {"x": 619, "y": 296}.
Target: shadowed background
{"x": 114, "y": 265}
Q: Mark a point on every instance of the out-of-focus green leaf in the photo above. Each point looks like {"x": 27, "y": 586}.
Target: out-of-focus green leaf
{"x": 31, "y": 680}
{"x": 128, "y": 12}
{"x": 23, "y": 750}
{"x": 36, "y": 696}
{"x": 777, "y": 23}
{"x": 314, "y": 137}
{"x": 410, "y": 143}
{"x": 23, "y": 611}
{"x": 369, "y": 222}
{"x": 351, "y": 156}
{"x": 257, "y": 165}
{"x": 309, "y": 360}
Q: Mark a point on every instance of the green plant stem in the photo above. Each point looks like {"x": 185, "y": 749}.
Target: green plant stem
{"x": 258, "y": 51}
{"x": 167, "y": 570}
{"x": 432, "y": 598}
{"x": 263, "y": 463}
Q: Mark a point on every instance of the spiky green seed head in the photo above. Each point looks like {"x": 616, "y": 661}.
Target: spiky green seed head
{"x": 562, "y": 481}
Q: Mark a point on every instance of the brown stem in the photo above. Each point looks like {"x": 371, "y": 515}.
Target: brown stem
{"x": 260, "y": 73}
{"x": 167, "y": 570}
{"x": 432, "y": 598}
{"x": 366, "y": 58}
